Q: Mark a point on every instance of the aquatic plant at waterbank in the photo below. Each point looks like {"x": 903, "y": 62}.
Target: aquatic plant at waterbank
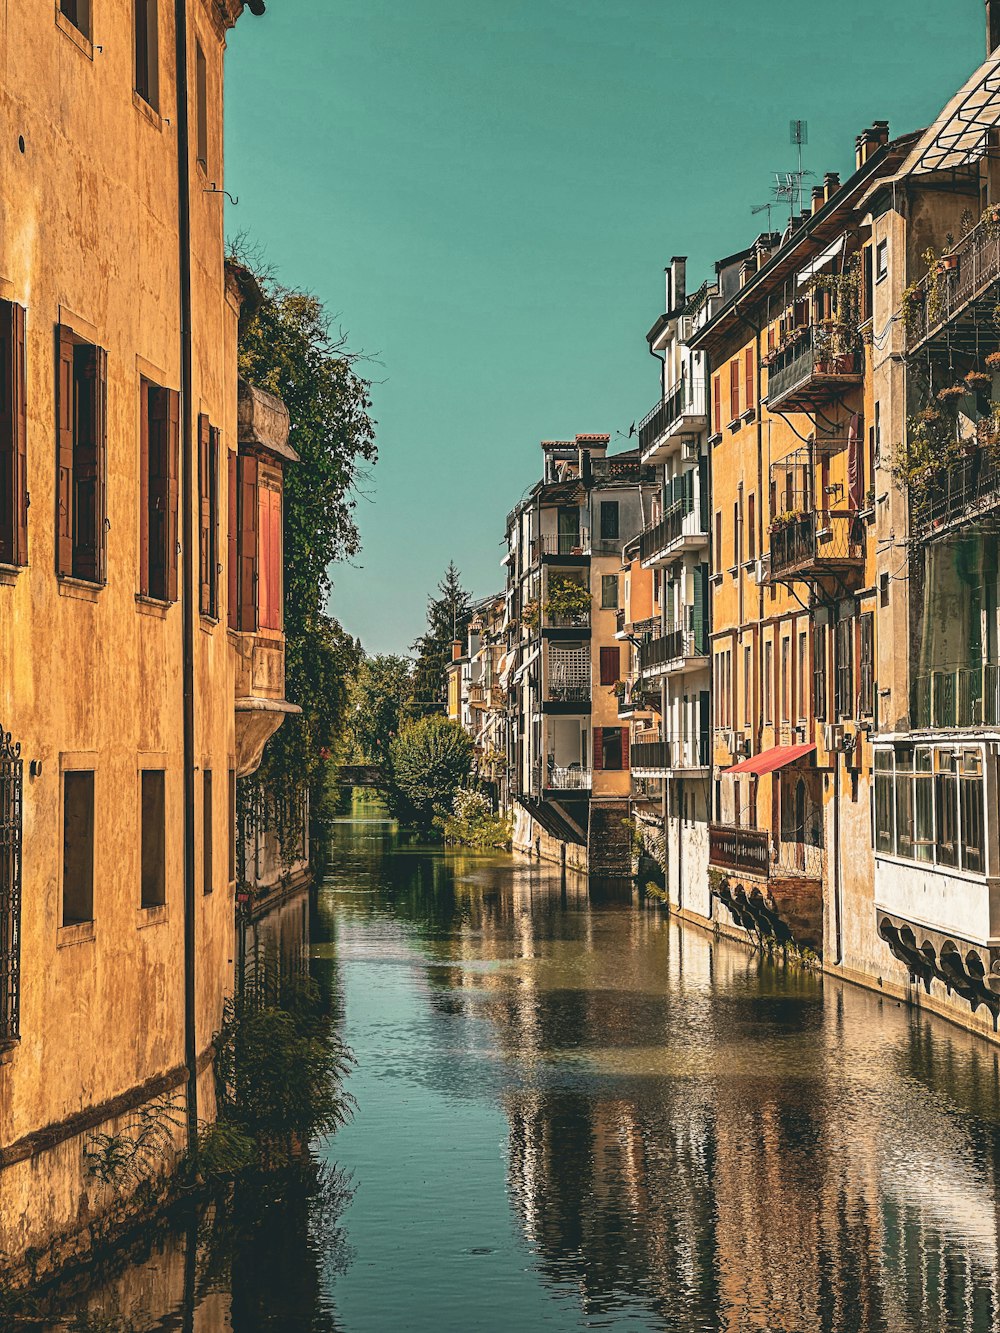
{"x": 474, "y": 823}
{"x": 428, "y": 762}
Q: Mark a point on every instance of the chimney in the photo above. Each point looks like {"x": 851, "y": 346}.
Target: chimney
{"x": 668, "y": 282}
{"x": 831, "y": 184}
{"x": 456, "y": 650}
{"x": 678, "y": 279}
{"x": 869, "y": 141}
{"x": 747, "y": 269}
{"x": 992, "y": 26}
{"x": 818, "y": 199}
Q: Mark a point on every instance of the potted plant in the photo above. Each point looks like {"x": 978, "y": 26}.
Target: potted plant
{"x": 993, "y": 360}
{"x": 951, "y": 393}
{"x": 977, "y": 381}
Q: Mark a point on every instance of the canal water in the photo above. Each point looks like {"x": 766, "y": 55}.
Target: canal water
{"x": 574, "y": 1113}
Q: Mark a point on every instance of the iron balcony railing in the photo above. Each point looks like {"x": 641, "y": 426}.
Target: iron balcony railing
{"x": 680, "y": 752}
{"x": 626, "y": 470}
{"x": 567, "y": 778}
{"x": 817, "y": 543}
{"x": 807, "y": 366}
{"x": 686, "y": 398}
{"x": 671, "y": 527}
{"x": 677, "y": 644}
{"x": 573, "y": 543}
{"x": 746, "y": 851}
{"x": 965, "y": 490}
{"x": 581, "y": 620}
{"x": 956, "y": 280}
{"x": 568, "y": 678}
{"x": 963, "y": 697}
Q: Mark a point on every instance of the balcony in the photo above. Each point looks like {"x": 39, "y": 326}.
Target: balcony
{"x": 681, "y": 529}
{"x": 568, "y": 678}
{"x": 806, "y": 373}
{"x": 659, "y": 758}
{"x": 680, "y": 649}
{"x": 962, "y": 697}
{"x": 966, "y": 491}
{"x": 817, "y": 545}
{"x": 570, "y": 778}
{"x": 566, "y": 545}
{"x": 580, "y": 622}
{"x": 958, "y": 293}
{"x": 682, "y": 411}
{"x": 752, "y": 851}
{"x": 634, "y": 698}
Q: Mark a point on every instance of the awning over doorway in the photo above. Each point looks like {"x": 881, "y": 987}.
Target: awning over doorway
{"x": 769, "y": 760}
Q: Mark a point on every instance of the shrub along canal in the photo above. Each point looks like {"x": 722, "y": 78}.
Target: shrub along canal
{"x": 575, "y": 1113}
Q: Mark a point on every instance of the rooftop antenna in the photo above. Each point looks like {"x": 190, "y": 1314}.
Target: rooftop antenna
{"x": 763, "y": 208}
{"x": 788, "y": 184}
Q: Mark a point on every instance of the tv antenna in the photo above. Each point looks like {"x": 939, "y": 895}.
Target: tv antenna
{"x": 788, "y": 185}
{"x": 764, "y": 208}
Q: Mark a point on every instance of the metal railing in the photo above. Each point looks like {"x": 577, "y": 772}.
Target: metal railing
{"x": 568, "y": 678}
{"x": 676, "y": 644}
{"x": 966, "y": 489}
{"x": 685, "y": 398}
{"x": 957, "y": 279}
{"x": 625, "y": 470}
{"x": 962, "y": 697}
{"x": 569, "y": 778}
{"x": 806, "y": 359}
{"x": 680, "y": 752}
{"x": 744, "y": 850}
{"x": 817, "y": 541}
{"x": 581, "y": 620}
{"x": 577, "y": 543}
{"x": 659, "y": 536}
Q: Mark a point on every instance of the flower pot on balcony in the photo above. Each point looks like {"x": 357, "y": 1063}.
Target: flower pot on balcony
{"x": 948, "y": 264}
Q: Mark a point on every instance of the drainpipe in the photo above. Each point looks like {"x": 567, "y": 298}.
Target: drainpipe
{"x": 187, "y": 548}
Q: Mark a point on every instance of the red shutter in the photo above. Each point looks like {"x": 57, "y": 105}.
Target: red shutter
{"x": 274, "y": 569}
{"x": 598, "y": 748}
{"x": 233, "y": 545}
{"x": 173, "y": 488}
{"x": 64, "y": 455}
{"x": 204, "y": 516}
{"x": 610, "y": 665}
{"x": 717, "y": 403}
{"x": 248, "y": 543}
{"x": 213, "y": 529}
{"x": 144, "y": 449}
{"x": 625, "y": 748}
{"x": 748, "y": 384}
{"x": 89, "y": 483}
{"x": 734, "y": 389}
{"x": 13, "y": 437}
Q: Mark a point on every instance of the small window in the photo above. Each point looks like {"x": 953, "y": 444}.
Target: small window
{"x": 159, "y": 423}
{"x": 881, "y": 260}
{"x": 609, "y": 592}
{"x": 78, "y": 13}
{"x": 81, "y": 413}
{"x": 147, "y": 52}
{"x": 13, "y": 437}
{"x": 208, "y": 517}
{"x": 612, "y": 753}
{"x": 78, "y": 847}
{"x": 201, "y": 106}
{"x": 609, "y": 520}
{"x": 153, "y": 819}
{"x": 207, "y": 831}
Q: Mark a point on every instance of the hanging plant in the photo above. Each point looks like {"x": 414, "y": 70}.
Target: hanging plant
{"x": 991, "y": 221}
{"x": 977, "y": 381}
{"x": 529, "y": 614}
{"x": 993, "y": 360}
{"x": 912, "y": 308}
{"x": 951, "y": 393}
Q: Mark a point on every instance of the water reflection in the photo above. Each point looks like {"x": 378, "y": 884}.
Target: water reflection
{"x": 574, "y": 1114}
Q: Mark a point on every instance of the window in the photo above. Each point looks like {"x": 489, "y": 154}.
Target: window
{"x": 718, "y": 541}
{"x": 866, "y": 664}
{"x": 147, "y": 52}
{"x": 803, "y": 670}
{"x": 843, "y": 668}
{"x": 747, "y": 687}
{"x": 609, "y": 592}
{"x": 751, "y": 527}
{"x": 154, "y": 826}
{"x": 609, "y": 520}
{"x": 786, "y": 683}
{"x": 232, "y": 825}
{"x": 242, "y": 542}
{"x": 208, "y": 516}
{"x": 885, "y": 821}
{"x": 929, "y": 806}
{"x": 159, "y": 427}
{"x": 613, "y": 748}
{"x": 13, "y": 437}
{"x": 207, "y": 832}
{"x": 78, "y": 13}
{"x": 201, "y": 106}
{"x": 881, "y": 260}
{"x": 819, "y": 673}
{"x": 78, "y": 847}
{"x": 734, "y": 389}
{"x": 736, "y": 535}
{"x": 749, "y": 366}
{"x": 269, "y": 580}
{"x": 81, "y": 413}
{"x": 768, "y": 682}
{"x": 610, "y": 660}
{"x": 716, "y": 403}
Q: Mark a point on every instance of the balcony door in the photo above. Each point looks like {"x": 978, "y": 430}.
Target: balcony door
{"x": 569, "y": 530}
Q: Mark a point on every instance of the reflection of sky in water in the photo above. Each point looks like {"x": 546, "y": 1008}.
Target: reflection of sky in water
{"x": 575, "y": 1114}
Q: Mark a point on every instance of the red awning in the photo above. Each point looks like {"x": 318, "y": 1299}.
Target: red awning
{"x": 768, "y": 760}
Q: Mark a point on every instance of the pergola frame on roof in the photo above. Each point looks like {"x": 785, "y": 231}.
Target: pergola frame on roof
{"x": 961, "y": 134}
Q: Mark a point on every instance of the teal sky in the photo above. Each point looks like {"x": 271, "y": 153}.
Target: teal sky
{"x": 486, "y": 196}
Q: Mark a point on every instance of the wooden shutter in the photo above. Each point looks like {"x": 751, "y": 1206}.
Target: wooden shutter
{"x": 717, "y": 403}
{"x": 144, "y": 489}
{"x": 274, "y": 568}
{"x": 204, "y": 516}
{"x": 625, "y": 748}
{"x": 248, "y": 543}
{"x": 734, "y": 389}
{"x": 90, "y": 463}
{"x": 704, "y": 491}
{"x": 700, "y": 609}
{"x": 598, "y": 748}
{"x": 213, "y": 521}
{"x": 173, "y": 490}
{"x": 13, "y": 437}
{"x": 233, "y": 544}
{"x": 819, "y": 673}
{"x": 610, "y": 665}
{"x": 748, "y": 376}
{"x": 157, "y": 489}
{"x": 64, "y": 453}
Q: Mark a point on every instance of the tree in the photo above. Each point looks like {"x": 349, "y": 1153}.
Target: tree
{"x": 428, "y": 761}
{"x": 448, "y": 617}
{"x": 382, "y": 686}
{"x": 289, "y": 349}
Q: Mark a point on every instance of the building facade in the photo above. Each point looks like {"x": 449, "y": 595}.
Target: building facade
{"x": 141, "y": 648}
